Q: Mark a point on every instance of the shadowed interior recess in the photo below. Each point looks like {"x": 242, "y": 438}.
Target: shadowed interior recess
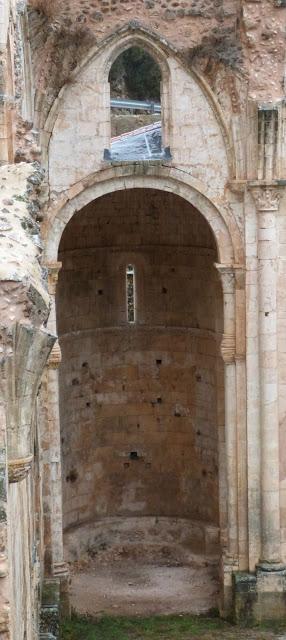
{"x": 139, "y": 401}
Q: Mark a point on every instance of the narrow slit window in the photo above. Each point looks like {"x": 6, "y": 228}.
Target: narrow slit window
{"x": 130, "y": 293}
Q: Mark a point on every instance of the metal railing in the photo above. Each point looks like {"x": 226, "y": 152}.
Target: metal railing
{"x": 153, "y": 107}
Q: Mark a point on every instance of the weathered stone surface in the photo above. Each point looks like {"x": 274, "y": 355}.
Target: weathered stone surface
{"x": 178, "y": 414}
{"x": 50, "y": 611}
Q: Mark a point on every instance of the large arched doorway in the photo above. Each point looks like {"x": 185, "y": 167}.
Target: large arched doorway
{"x": 140, "y": 396}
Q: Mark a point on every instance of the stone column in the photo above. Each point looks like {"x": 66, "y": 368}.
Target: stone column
{"x": 55, "y": 591}
{"x": 227, "y": 277}
{"x": 230, "y": 553}
{"x": 267, "y": 205}
{"x": 240, "y": 368}
{"x": 55, "y": 461}
{"x": 51, "y": 452}
{"x": 59, "y": 567}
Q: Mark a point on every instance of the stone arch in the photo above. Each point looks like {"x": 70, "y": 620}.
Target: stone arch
{"x": 131, "y": 34}
{"x": 141, "y": 40}
{"x": 167, "y": 58}
{"x": 153, "y": 48}
{"x": 231, "y": 273}
{"x": 224, "y": 228}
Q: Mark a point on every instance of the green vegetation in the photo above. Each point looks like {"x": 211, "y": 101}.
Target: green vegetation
{"x": 151, "y": 628}
{"x": 173, "y": 627}
{"x": 135, "y": 75}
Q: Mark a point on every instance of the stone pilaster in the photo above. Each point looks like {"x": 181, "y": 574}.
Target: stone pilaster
{"x": 261, "y": 595}
{"x": 51, "y": 453}
{"x": 5, "y": 585}
{"x": 241, "y": 419}
{"x": 267, "y": 204}
{"x": 26, "y": 350}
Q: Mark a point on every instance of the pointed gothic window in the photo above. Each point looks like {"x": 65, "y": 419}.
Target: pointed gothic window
{"x": 135, "y": 86}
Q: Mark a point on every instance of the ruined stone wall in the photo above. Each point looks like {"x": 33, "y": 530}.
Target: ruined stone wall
{"x": 24, "y": 308}
{"x": 240, "y": 36}
{"x": 150, "y": 388}
{"x": 223, "y": 64}
{"x": 186, "y": 26}
{"x": 80, "y": 124}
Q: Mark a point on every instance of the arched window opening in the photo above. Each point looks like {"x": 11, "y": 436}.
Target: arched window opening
{"x": 135, "y": 107}
{"x": 130, "y": 293}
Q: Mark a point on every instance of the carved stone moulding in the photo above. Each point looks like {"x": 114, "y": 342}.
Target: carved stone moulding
{"x": 60, "y": 569}
{"x": 4, "y": 565}
{"x": 55, "y": 357}
{"x": 266, "y": 198}
{"x": 227, "y": 277}
{"x": 5, "y": 621}
{"x": 19, "y": 468}
{"x": 53, "y": 274}
{"x": 227, "y": 348}
{"x": 277, "y": 3}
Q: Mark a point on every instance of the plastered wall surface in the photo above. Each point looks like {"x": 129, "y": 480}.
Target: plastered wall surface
{"x": 81, "y": 128}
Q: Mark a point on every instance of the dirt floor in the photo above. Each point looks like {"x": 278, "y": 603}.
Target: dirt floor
{"x": 161, "y": 580}
{"x": 148, "y": 592}
{"x": 127, "y": 590}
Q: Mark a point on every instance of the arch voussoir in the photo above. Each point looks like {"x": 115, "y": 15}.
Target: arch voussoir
{"x": 136, "y": 176}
